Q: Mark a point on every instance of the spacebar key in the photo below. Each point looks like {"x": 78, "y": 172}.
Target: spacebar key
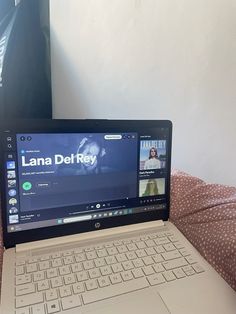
{"x": 114, "y": 290}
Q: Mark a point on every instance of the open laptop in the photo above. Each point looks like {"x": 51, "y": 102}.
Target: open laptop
{"x": 85, "y": 207}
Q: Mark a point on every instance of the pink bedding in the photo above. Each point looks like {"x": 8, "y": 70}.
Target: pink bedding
{"x": 206, "y": 214}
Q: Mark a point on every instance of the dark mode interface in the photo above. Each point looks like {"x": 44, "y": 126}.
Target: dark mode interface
{"x": 57, "y": 178}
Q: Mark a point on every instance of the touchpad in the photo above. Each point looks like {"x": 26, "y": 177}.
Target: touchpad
{"x": 140, "y": 302}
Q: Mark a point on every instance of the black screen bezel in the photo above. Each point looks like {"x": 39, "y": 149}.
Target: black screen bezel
{"x": 80, "y": 126}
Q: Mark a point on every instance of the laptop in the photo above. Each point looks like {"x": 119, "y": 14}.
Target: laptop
{"x": 85, "y": 208}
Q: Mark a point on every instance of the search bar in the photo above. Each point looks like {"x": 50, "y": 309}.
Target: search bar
{"x": 113, "y": 137}
{"x": 79, "y": 218}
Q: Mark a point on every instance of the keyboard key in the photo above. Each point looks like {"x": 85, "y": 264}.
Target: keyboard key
{"x": 141, "y": 245}
{"x": 127, "y": 265}
{"x": 169, "y": 276}
{"x": 20, "y": 262}
{"x": 148, "y": 260}
{"x": 64, "y": 270}
{"x": 45, "y": 257}
{"x": 25, "y": 310}
{"x": 127, "y": 275}
{"x": 110, "y": 260}
{"x": 158, "y": 258}
{"x": 99, "y": 262}
{"x": 69, "y": 279}
{"x": 178, "y": 245}
{"x": 25, "y": 289}
{"x": 29, "y": 299}
{"x": 91, "y": 255}
{"x": 138, "y": 263}
{"x": 56, "y": 282}
{"x": 76, "y": 267}
{"x": 131, "y": 247}
{"x": 32, "y": 260}
{"x": 88, "y": 265}
{"x": 117, "y": 268}
{"x": 137, "y": 273}
{"x": 150, "y": 251}
{"x": 31, "y": 268}
{"x": 158, "y": 268}
{"x": 80, "y": 257}
{"x": 39, "y": 275}
{"x": 38, "y": 309}
{"x": 179, "y": 273}
{"x": 148, "y": 270}
{"x": 78, "y": 287}
{"x": 106, "y": 270}
{"x": 91, "y": 284}
{"x": 169, "y": 247}
{"x": 104, "y": 281}
{"x": 64, "y": 291}
{"x": 82, "y": 275}
{"x": 94, "y": 273}
{"x": 43, "y": 285}
{"x": 56, "y": 255}
{"x": 51, "y": 294}
{"x": 56, "y": 262}
{"x": 121, "y": 257}
{"x": 102, "y": 253}
{"x": 20, "y": 270}
{"x": 131, "y": 255}
{"x": 53, "y": 307}
{"x": 171, "y": 255}
{"x": 191, "y": 260}
{"x": 52, "y": 273}
{"x": 112, "y": 251}
{"x": 115, "y": 278}
{"x": 160, "y": 249}
{"x": 175, "y": 263}
{"x": 70, "y": 302}
{"x": 44, "y": 265}
{"x": 189, "y": 271}
{"x": 156, "y": 279}
{"x": 198, "y": 269}
{"x": 122, "y": 249}
{"x": 141, "y": 253}
{"x": 150, "y": 243}
{"x": 22, "y": 279}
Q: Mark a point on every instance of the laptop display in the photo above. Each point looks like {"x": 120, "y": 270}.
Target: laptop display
{"x": 55, "y": 178}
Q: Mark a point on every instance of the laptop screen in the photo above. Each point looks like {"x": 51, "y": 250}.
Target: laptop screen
{"x": 58, "y": 178}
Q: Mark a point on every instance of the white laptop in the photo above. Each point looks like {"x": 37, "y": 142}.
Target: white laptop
{"x": 85, "y": 207}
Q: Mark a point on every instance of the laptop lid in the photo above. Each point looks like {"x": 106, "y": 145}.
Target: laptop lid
{"x": 62, "y": 177}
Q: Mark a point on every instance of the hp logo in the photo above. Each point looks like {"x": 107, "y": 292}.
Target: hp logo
{"x": 97, "y": 225}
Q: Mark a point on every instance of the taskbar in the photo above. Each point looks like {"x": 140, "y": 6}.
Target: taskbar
{"x": 86, "y": 217}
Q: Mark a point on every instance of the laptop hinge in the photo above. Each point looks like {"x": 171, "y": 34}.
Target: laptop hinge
{"x": 88, "y": 236}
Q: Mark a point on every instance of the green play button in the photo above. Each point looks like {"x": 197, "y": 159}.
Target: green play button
{"x": 27, "y": 186}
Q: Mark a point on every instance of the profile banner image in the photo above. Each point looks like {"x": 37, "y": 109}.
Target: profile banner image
{"x": 152, "y": 154}
{"x": 151, "y": 187}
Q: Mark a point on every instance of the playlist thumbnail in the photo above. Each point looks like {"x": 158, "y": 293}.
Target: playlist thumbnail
{"x": 151, "y": 187}
{"x": 152, "y": 154}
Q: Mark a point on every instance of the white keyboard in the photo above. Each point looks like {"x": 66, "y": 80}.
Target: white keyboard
{"x": 72, "y": 278}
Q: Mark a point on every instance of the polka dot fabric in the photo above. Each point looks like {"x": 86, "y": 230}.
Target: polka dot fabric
{"x": 206, "y": 215}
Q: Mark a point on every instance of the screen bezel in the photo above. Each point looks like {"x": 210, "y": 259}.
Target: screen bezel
{"x": 80, "y": 126}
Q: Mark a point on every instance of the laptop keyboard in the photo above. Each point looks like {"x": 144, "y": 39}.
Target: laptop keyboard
{"x": 66, "y": 279}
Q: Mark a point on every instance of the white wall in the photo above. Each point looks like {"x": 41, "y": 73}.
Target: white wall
{"x": 153, "y": 59}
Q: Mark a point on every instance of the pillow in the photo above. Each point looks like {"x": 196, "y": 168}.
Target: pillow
{"x": 206, "y": 215}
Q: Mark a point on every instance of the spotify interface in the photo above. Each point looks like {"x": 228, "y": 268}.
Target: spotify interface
{"x": 56, "y": 178}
